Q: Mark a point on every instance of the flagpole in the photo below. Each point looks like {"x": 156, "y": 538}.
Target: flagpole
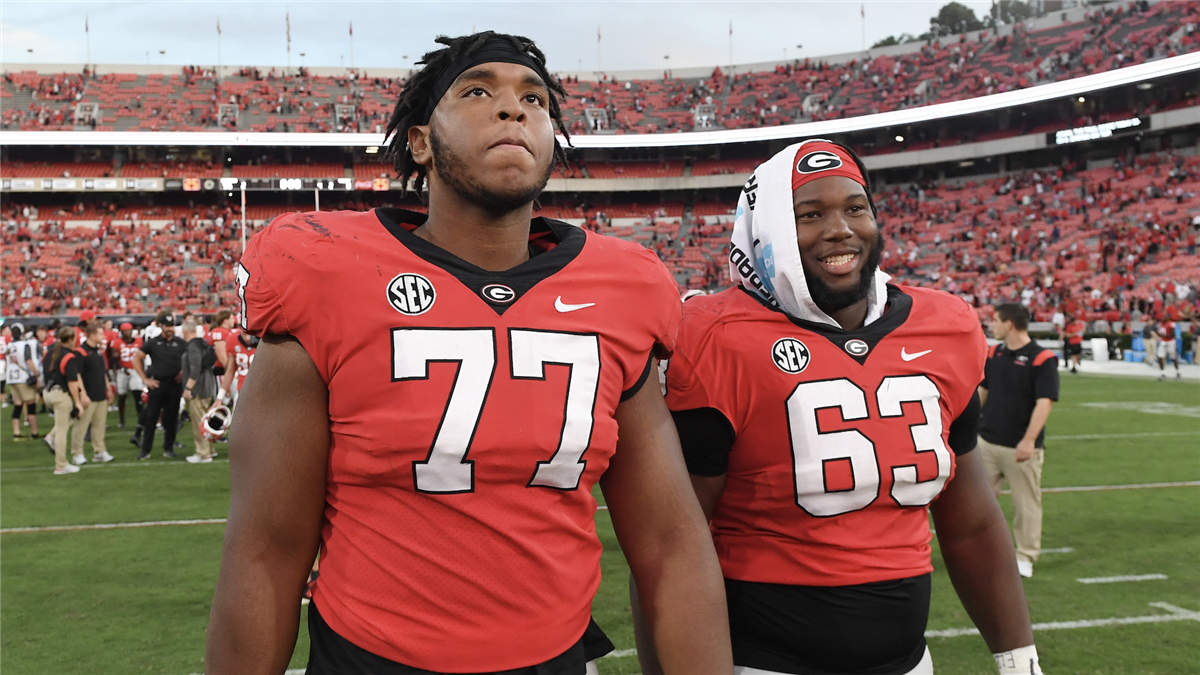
{"x": 351, "y": 46}
{"x": 598, "y": 50}
{"x": 88, "y": 37}
{"x": 287, "y": 19}
{"x": 731, "y": 48}
{"x": 863, "y": 12}
{"x": 243, "y": 217}
{"x": 218, "y": 49}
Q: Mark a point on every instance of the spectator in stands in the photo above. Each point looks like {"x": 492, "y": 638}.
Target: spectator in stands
{"x": 97, "y": 394}
{"x": 199, "y": 387}
{"x": 1020, "y": 386}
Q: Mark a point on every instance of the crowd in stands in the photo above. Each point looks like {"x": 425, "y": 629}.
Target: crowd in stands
{"x": 1109, "y": 245}
{"x": 1112, "y": 36}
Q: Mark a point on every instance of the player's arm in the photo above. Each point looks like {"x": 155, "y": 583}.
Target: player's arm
{"x": 277, "y": 481}
{"x": 665, "y": 538}
{"x": 226, "y": 383}
{"x": 1037, "y": 421}
{"x": 980, "y": 558}
{"x": 139, "y": 365}
{"x": 982, "y": 395}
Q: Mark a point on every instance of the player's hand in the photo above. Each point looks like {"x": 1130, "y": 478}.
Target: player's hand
{"x": 84, "y": 402}
{"x": 1025, "y": 450}
{"x": 151, "y": 383}
{"x": 188, "y": 395}
{"x": 221, "y": 395}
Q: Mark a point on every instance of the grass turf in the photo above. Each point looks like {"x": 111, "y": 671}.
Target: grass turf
{"x": 137, "y": 600}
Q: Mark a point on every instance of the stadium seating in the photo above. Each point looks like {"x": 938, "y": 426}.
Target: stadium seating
{"x": 1112, "y": 36}
{"x": 1110, "y": 244}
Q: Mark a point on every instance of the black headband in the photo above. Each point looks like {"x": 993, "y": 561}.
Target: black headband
{"x": 495, "y": 50}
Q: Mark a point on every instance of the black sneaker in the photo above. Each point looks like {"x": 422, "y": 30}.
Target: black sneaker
{"x": 170, "y": 454}
{"x": 143, "y": 455}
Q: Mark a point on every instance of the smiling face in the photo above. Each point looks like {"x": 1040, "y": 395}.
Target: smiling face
{"x": 840, "y": 244}
{"x": 491, "y": 137}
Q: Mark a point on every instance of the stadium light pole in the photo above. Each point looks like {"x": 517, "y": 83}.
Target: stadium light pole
{"x": 243, "y": 217}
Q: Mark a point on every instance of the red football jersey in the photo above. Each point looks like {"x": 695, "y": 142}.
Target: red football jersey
{"x": 471, "y": 412}
{"x": 125, "y": 349}
{"x": 243, "y": 356}
{"x": 218, "y": 334}
{"x": 841, "y": 436}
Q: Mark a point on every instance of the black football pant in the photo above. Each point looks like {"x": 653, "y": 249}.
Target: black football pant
{"x": 165, "y": 400}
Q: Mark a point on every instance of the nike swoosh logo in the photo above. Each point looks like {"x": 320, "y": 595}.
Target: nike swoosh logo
{"x": 564, "y": 307}
{"x": 909, "y": 357}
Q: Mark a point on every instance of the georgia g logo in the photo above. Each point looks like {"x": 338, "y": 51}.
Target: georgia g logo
{"x": 410, "y": 294}
{"x": 818, "y": 160}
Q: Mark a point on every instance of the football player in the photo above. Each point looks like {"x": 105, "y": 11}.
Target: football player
{"x": 244, "y": 346}
{"x": 442, "y": 451}
{"x": 823, "y": 413}
{"x": 127, "y": 378}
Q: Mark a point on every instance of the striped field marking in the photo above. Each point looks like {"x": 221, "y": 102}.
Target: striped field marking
{"x": 109, "y": 465}
{"x": 1105, "y": 488}
{"x": 112, "y": 526}
{"x": 1174, "y": 614}
{"x": 1065, "y": 549}
{"x": 1144, "y": 434}
{"x": 1117, "y": 580}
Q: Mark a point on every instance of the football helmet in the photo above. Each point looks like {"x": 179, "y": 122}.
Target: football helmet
{"x": 215, "y": 422}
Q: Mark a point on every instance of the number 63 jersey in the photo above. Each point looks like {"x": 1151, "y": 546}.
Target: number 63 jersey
{"x": 841, "y": 437}
{"x": 470, "y": 414}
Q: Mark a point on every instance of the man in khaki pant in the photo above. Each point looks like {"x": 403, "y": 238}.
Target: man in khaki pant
{"x": 1020, "y": 385}
{"x": 199, "y": 384}
{"x": 97, "y": 395}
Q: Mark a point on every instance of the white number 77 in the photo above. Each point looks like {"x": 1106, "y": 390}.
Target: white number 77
{"x": 447, "y": 470}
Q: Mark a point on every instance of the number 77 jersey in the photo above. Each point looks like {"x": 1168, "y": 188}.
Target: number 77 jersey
{"x": 470, "y": 414}
{"x": 842, "y": 438}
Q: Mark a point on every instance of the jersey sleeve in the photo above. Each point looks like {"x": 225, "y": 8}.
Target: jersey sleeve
{"x": 1045, "y": 379}
{"x": 661, "y": 314}
{"x": 263, "y": 312}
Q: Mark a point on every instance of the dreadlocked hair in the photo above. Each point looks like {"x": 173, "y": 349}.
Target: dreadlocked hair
{"x": 410, "y": 108}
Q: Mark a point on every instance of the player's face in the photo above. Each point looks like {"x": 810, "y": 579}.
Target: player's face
{"x": 168, "y": 332}
{"x": 490, "y": 139}
{"x": 127, "y": 334}
{"x": 228, "y": 322}
{"x": 839, "y": 241}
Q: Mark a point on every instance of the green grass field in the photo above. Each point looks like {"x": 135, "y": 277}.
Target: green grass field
{"x": 136, "y": 600}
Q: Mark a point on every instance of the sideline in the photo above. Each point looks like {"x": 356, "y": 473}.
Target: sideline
{"x": 90, "y": 466}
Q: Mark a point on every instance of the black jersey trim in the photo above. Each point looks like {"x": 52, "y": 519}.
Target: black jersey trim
{"x": 545, "y": 259}
{"x": 331, "y": 654}
{"x": 637, "y": 386}
{"x": 706, "y": 437}
{"x": 899, "y": 306}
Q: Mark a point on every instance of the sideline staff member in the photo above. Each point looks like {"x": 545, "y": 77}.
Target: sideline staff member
{"x": 164, "y": 382}
{"x": 1022, "y": 379}
{"x": 97, "y": 394}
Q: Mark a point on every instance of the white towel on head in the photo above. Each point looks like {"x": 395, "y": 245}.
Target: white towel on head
{"x": 764, "y": 256}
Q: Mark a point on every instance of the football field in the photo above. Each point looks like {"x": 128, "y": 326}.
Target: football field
{"x": 1117, "y": 589}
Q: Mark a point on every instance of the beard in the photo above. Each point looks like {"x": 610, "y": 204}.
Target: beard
{"x": 452, "y": 170}
{"x": 829, "y": 299}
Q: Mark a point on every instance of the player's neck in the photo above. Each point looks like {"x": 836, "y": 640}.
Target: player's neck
{"x": 1015, "y": 340}
{"x": 852, "y": 317}
{"x": 478, "y": 236}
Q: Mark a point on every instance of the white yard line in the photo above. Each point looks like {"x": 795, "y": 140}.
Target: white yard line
{"x": 1105, "y": 488}
{"x": 110, "y": 465}
{"x": 1145, "y": 434}
{"x": 112, "y": 526}
{"x": 1120, "y": 579}
{"x": 1066, "y": 549}
{"x": 1175, "y": 614}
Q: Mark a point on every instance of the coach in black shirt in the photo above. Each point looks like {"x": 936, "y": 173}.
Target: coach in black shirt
{"x": 1020, "y": 386}
{"x": 164, "y": 381}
